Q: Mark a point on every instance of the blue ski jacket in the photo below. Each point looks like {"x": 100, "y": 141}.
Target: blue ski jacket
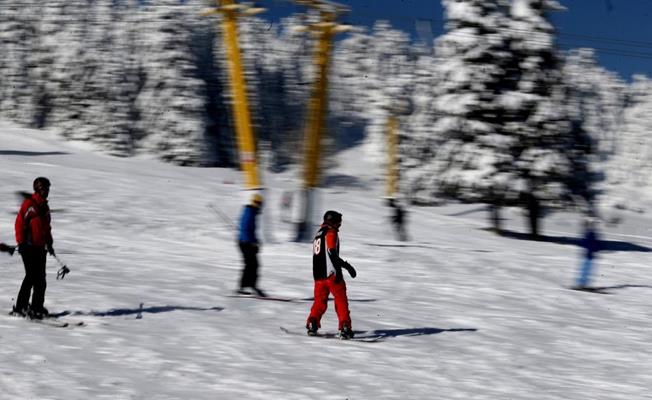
{"x": 248, "y": 225}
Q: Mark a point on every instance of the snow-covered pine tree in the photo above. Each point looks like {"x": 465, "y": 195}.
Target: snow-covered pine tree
{"x": 349, "y": 77}
{"x": 549, "y": 154}
{"x": 385, "y": 74}
{"x": 21, "y": 49}
{"x": 112, "y": 79}
{"x": 8, "y": 31}
{"x": 632, "y": 165}
{"x": 470, "y": 160}
{"x": 171, "y": 102}
{"x": 596, "y": 99}
{"x": 596, "y": 103}
{"x": 294, "y": 54}
{"x": 418, "y": 144}
{"x": 205, "y": 37}
{"x": 72, "y": 68}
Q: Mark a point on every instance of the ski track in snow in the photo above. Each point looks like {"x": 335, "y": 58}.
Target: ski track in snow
{"x": 464, "y": 313}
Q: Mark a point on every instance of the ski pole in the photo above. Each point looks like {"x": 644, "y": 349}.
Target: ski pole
{"x": 222, "y": 216}
{"x": 61, "y": 273}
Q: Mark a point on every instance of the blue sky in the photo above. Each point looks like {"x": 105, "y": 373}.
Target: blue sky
{"x": 619, "y": 30}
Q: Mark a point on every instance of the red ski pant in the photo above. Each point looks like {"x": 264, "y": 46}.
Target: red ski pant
{"x": 323, "y": 287}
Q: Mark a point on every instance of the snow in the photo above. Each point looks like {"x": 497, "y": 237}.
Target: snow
{"x": 463, "y": 313}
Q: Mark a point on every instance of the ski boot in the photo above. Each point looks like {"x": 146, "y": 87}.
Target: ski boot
{"x": 312, "y": 327}
{"x": 38, "y": 313}
{"x": 22, "y": 312}
{"x": 244, "y": 292}
{"x": 346, "y": 333}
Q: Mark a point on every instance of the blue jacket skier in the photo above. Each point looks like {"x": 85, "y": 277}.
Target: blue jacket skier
{"x": 249, "y": 246}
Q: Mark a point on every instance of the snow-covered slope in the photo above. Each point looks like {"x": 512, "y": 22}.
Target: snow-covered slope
{"x": 460, "y": 312}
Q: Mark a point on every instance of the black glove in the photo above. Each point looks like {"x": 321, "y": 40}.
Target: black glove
{"x": 50, "y": 249}
{"x": 61, "y": 273}
{"x": 7, "y": 248}
{"x": 350, "y": 269}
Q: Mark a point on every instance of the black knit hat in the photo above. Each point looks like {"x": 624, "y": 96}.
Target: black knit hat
{"x": 332, "y": 217}
{"x": 41, "y": 183}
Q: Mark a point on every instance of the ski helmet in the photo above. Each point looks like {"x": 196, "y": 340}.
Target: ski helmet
{"x": 257, "y": 200}
{"x": 41, "y": 183}
{"x": 333, "y": 217}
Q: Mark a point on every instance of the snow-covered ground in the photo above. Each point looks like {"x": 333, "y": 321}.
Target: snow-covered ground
{"x": 460, "y": 312}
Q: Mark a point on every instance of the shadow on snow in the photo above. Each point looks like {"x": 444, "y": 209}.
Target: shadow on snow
{"x": 607, "y": 245}
{"x": 117, "y": 312}
{"x": 621, "y": 287}
{"x": 393, "y": 333}
{"x": 31, "y": 153}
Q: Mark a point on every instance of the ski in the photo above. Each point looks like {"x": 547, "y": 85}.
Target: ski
{"x": 68, "y": 322}
{"x": 591, "y": 290}
{"x": 361, "y": 336}
{"x": 50, "y": 321}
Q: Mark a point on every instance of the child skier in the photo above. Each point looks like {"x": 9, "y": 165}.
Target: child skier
{"x": 327, "y": 272}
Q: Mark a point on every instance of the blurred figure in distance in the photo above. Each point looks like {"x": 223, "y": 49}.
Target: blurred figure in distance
{"x": 591, "y": 244}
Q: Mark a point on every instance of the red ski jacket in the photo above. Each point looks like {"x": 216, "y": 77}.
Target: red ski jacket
{"x": 33, "y": 222}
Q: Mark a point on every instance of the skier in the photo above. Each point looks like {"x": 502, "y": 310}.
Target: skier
{"x": 34, "y": 238}
{"x": 591, "y": 245}
{"x": 398, "y": 219}
{"x": 327, "y": 273}
{"x": 249, "y": 246}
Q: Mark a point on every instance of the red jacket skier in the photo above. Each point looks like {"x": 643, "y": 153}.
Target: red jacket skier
{"x": 34, "y": 238}
{"x": 327, "y": 272}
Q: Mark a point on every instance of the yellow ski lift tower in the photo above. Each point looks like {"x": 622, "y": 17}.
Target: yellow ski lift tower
{"x": 392, "y": 157}
{"x": 230, "y": 11}
{"x": 324, "y": 30}
{"x": 399, "y": 107}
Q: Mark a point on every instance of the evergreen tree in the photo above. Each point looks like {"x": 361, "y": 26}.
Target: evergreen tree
{"x": 371, "y": 74}
{"x": 632, "y": 165}
{"x": 171, "y": 102}
{"x": 348, "y": 118}
{"x": 418, "y": 143}
{"x": 72, "y": 70}
{"x": 285, "y": 91}
{"x": 465, "y": 154}
{"x": 111, "y": 83}
{"x": 21, "y": 49}
{"x": 549, "y": 155}
{"x": 596, "y": 102}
